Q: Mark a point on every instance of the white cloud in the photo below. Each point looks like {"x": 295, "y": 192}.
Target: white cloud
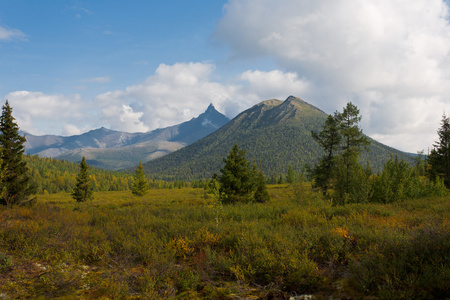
{"x": 275, "y": 83}
{"x": 40, "y": 113}
{"x": 179, "y": 92}
{"x": 11, "y": 34}
{"x": 70, "y": 129}
{"x": 125, "y": 118}
{"x": 391, "y": 58}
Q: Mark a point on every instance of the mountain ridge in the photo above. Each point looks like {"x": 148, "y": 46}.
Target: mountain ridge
{"x": 114, "y": 145}
{"x": 274, "y": 133}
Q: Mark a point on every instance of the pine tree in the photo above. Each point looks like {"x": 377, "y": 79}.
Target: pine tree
{"x": 237, "y": 182}
{"x": 342, "y": 140}
{"x": 353, "y": 140}
{"x": 439, "y": 158}
{"x": 83, "y": 189}
{"x": 15, "y": 184}
{"x": 140, "y": 183}
{"x": 329, "y": 139}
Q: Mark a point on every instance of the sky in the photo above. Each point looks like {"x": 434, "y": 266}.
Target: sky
{"x": 67, "y": 67}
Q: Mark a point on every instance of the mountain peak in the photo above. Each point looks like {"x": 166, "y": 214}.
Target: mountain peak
{"x": 292, "y": 99}
{"x": 212, "y": 118}
{"x": 211, "y": 108}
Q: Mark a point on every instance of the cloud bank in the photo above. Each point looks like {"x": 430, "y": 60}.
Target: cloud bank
{"x": 391, "y": 58}
{"x": 173, "y": 94}
{"x": 39, "y": 113}
{"x": 179, "y": 92}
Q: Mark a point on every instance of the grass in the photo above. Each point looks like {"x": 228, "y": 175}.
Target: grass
{"x": 168, "y": 244}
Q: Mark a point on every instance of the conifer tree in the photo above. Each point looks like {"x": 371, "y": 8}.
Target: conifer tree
{"x": 15, "y": 184}
{"x": 353, "y": 141}
{"x": 83, "y": 189}
{"x": 342, "y": 140}
{"x": 329, "y": 139}
{"x": 261, "y": 193}
{"x": 290, "y": 175}
{"x": 439, "y": 158}
{"x": 140, "y": 183}
{"x": 237, "y": 182}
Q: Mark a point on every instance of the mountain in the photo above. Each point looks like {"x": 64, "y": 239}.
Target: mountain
{"x": 110, "y": 149}
{"x": 274, "y": 133}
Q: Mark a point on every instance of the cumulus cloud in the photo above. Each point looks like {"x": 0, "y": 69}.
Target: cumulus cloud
{"x": 11, "y": 34}
{"x": 391, "y": 58}
{"x": 39, "y": 113}
{"x": 179, "y": 92}
{"x": 275, "y": 83}
{"x": 173, "y": 94}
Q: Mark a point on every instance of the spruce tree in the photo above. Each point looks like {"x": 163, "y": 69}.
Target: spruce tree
{"x": 237, "y": 182}
{"x": 83, "y": 189}
{"x": 439, "y": 158}
{"x": 140, "y": 184}
{"x": 15, "y": 184}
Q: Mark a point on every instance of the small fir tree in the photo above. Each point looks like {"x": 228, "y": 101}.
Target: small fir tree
{"x": 83, "y": 189}
{"x": 290, "y": 175}
{"x": 261, "y": 193}
{"x": 15, "y": 184}
{"x": 140, "y": 183}
{"x": 237, "y": 182}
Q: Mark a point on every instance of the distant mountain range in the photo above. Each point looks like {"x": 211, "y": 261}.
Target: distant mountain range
{"x": 109, "y": 149}
{"x": 274, "y": 133}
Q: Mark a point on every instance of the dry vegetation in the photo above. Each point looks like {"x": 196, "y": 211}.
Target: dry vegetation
{"x": 168, "y": 244}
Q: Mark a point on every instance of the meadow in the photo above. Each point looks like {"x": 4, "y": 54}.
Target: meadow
{"x": 181, "y": 243}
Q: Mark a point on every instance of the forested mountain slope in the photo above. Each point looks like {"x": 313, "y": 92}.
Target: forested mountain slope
{"x": 274, "y": 133}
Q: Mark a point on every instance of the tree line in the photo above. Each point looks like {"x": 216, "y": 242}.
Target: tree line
{"x": 339, "y": 174}
{"x": 344, "y": 179}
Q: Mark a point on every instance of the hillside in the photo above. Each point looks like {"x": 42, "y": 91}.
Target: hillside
{"x": 49, "y": 175}
{"x": 109, "y": 149}
{"x": 274, "y": 133}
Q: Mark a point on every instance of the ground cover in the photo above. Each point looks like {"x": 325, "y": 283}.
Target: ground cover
{"x": 178, "y": 243}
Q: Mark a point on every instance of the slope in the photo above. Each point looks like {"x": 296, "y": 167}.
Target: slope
{"x": 274, "y": 133}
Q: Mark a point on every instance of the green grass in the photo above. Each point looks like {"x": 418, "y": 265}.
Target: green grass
{"x": 168, "y": 244}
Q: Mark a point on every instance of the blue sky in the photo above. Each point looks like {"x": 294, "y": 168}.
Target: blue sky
{"x": 71, "y": 66}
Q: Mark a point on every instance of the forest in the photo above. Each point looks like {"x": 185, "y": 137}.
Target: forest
{"x": 337, "y": 230}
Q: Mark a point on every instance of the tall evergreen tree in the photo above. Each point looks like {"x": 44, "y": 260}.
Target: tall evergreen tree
{"x": 83, "y": 188}
{"x": 353, "y": 138}
{"x": 237, "y": 182}
{"x": 353, "y": 141}
{"x": 342, "y": 140}
{"x": 140, "y": 183}
{"x": 329, "y": 139}
{"x": 15, "y": 184}
{"x": 439, "y": 158}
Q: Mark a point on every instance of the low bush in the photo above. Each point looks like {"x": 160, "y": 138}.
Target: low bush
{"x": 175, "y": 243}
